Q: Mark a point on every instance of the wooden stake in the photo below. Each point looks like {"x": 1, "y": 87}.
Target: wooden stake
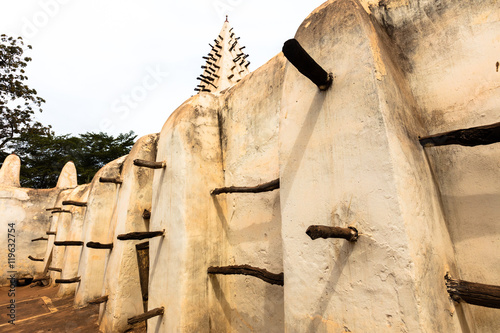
{"x": 145, "y": 316}
{"x": 68, "y": 243}
{"x": 323, "y": 231}
{"x": 141, "y": 235}
{"x": 99, "y": 300}
{"x": 306, "y": 65}
{"x": 41, "y": 279}
{"x": 266, "y": 187}
{"x": 60, "y": 211}
{"x": 150, "y": 164}
{"x": 54, "y": 269}
{"x": 470, "y": 137}
{"x": 473, "y": 293}
{"x": 146, "y": 214}
{"x": 97, "y": 245}
{"x": 73, "y": 280}
{"x": 259, "y": 273}
{"x": 34, "y": 259}
{"x": 116, "y": 180}
{"x": 39, "y": 239}
{"x": 51, "y": 233}
{"x": 74, "y": 203}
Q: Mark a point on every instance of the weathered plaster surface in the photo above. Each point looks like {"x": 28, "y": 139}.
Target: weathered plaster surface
{"x": 26, "y": 208}
{"x": 190, "y": 144}
{"x": 449, "y": 51}
{"x": 72, "y": 254}
{"x": 63, "y": 222}
{"x": 9, "y": 173}
{"x": 101, "y": 205}
{"x": 121, "y": 279}
{"x": 350, "y": 157}
{"x": 252, "y": 222}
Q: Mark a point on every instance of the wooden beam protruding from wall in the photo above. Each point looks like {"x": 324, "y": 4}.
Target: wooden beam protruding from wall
{"x": 259, "y": 273}
{"x": 323, "y": 231}
{"x": 53, "y": 208}
{"x": 68, "y": 243}
{"x": 43, "y": 278}
{"x": 146, "y": 214}
{"x": 35, "y": 259}
{"x": 99, "y": 300}
{"x": 97, "y": 245}
{"x": 115, "y": 180}
{"x": 145, "y": 316}
{"x": 266, "y": 187}
{"x": 141, "y": 235}
{"x": 61, "y": 211}
{"x": 73, "y": 280}
{"x": 74, "y": 203}
{"x": 39, "y": 239}
{"x": 306, "y": 65}
{"x": 54, "y": 269}
{"x": 473, "y": 293}
{"x": 150, "y": 164}
{"x": 51, "y": 233}
{"x": 470, "y": 137}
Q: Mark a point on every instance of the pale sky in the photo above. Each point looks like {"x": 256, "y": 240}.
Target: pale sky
{"x": 121, "y": 65}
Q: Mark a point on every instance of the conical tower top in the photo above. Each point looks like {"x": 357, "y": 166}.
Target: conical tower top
{"x": 226, "y": 63}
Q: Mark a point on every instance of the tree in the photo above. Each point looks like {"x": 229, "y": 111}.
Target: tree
{"x": 18, "y": 102}
{"x": 43, "y": 155}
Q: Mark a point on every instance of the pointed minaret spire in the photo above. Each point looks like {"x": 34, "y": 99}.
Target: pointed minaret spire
{"x": 226, "y": 63}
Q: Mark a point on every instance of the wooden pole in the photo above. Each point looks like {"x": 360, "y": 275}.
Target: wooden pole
{"x": 99, "y": 300}
{"x": 54, "y": 269}
{"x": 39, "y": 239}
{"x": 73, "y": 280}
{"x": 306, "y": 65}
{"x": 74, "y": 203}
{"x": 35, "y": 259}
{"x": 259, "y": 273}
{"x": 470, "y": 137}
{"x": 51, "y": 233}
{"x": 323, "y": 231}
{"x": 150, "y": 164}
{"x": 97, "y": 245}
{"x": 141, "y": 235}
{"x": 41, "y": 279}
{"x": 116, "y": 180}
{"x": 266, "y": 187}
{"x": 53, "y": 208}
{"x": 146, "y": 214}
{"x": 69, "y": 243}
{"x": 473, "y": 293}
{"x": 145, "y": 316}
{"x": 60, "y": 211}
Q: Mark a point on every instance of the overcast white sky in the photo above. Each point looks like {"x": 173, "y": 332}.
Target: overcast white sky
{"x": 121, "y": 65}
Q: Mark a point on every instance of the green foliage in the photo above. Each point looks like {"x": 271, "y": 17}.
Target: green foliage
{"x": 18, "y": 102}
{"x": 43, "y": 155}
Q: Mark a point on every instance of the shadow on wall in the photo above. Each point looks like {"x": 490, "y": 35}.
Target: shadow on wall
{"x": 303, "y": 138}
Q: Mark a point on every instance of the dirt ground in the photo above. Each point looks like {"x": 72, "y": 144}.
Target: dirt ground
{"x": 38, "y": 310}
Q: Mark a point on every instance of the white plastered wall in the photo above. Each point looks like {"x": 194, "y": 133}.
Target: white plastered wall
{"x": 101, "y": 205}
{"x": 350, "y": 157}
{"x": 121, "y": 279}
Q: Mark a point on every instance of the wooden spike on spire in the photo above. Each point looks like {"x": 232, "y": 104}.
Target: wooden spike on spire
{"x": 219, "y": 70}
